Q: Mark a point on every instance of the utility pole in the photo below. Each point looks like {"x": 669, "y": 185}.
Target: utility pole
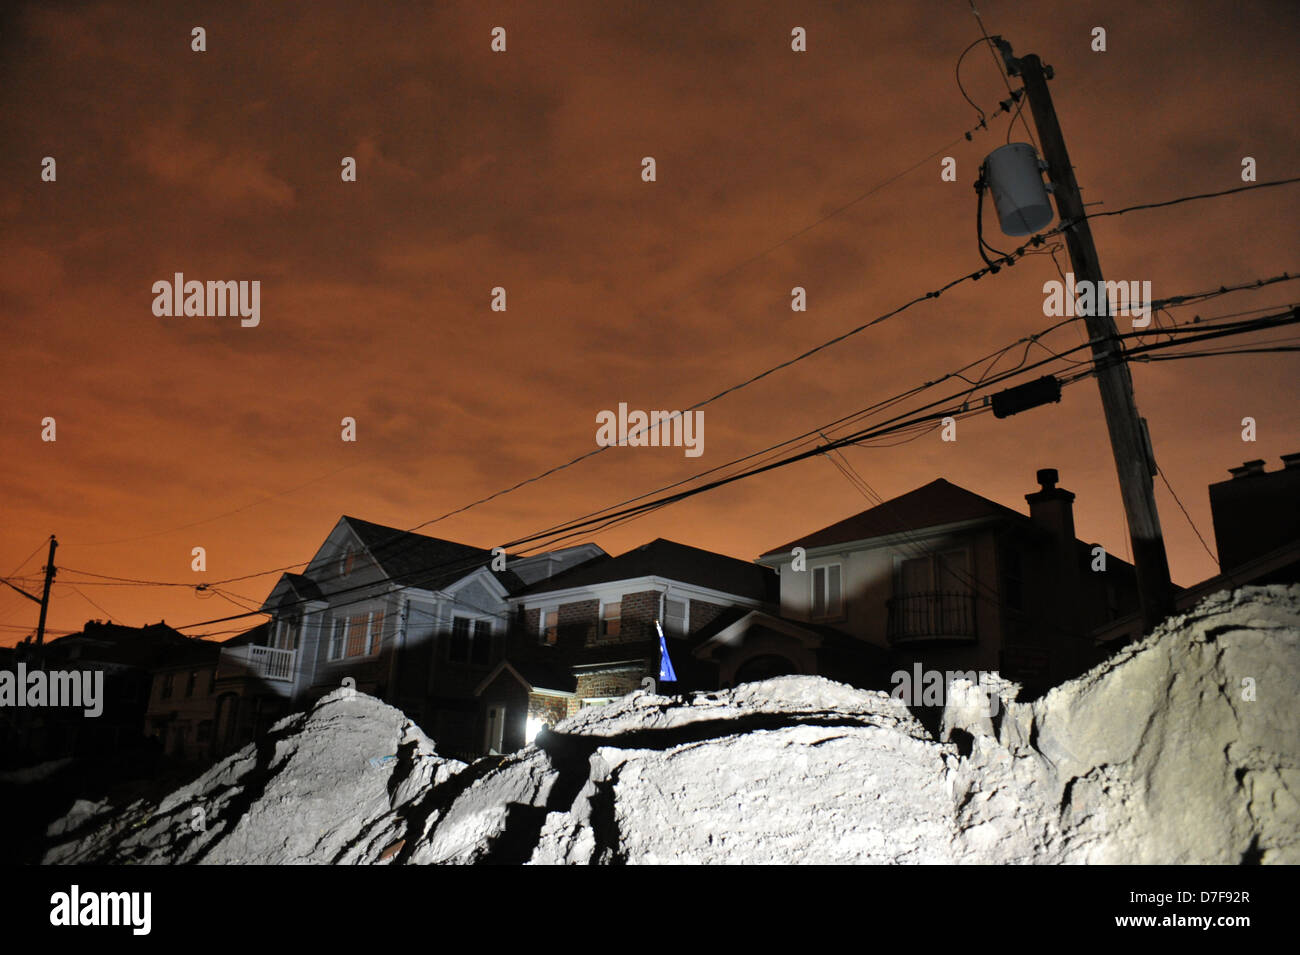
{"x": 45, "y": 597}
{"x": 1129, "y": 440}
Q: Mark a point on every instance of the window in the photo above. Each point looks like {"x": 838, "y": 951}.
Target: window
{"x": 934, "y": 598}
{"x": 675, "y": 616}
{"x": 190, "y": 682}
{"x": 458, "y": 646}
{"x": 826, "y": 602}
{"x": 286, "y": 634}
{"x": 611, "y": 618}
{"x": 356, "y": 636}
{"x": 471, "y": 641}
{"x": 942, "y": 573}
{"x": 481, "y": 649}
{"x": 348, "y": 560}
{"x": 168, "y": 681}
{"x": 550, "y": 626}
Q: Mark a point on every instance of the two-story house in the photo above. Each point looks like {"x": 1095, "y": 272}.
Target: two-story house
{"x": 588, "y": 636}
{"x": 181, "y": 714}
{"x": 943, "y": 577}
{"x": 414, "y": 620}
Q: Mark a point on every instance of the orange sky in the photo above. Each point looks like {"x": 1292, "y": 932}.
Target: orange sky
{"x": 522, "y": 170}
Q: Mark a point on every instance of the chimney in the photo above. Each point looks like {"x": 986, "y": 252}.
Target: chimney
{"x": 1052, "y": 507}
{"x": 1255, "y": 511}
{"x": 1248, "y": 469}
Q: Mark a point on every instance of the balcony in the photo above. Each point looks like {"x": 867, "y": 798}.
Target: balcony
{"x": 259, "y": 663}
{"x": 932, "y": 616}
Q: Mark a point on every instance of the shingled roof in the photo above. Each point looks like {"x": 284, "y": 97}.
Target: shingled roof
{"x": 936, "y": 503}
{"x": 673, "y": 561}
{"x": 417, "y": 560}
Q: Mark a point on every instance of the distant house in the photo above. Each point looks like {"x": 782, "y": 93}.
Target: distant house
{"x": 943, "y": 577}
{"x": 181, "y": 711}
{"x": 587, "y": 636}
{"x": 415, "y": 620}
{"x": 126, "y": 656}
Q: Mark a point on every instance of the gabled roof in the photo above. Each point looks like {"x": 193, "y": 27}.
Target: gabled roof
{"x": 256, "y": 636}
{"x": 534, "y": 674}
{"x": 673, "y": 561}
{"x": 429, "y": 563}
{"x": 939, "y": 502}
{"x": 305, "y": 587}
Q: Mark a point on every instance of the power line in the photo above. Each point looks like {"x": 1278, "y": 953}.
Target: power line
{"x": 91, "y": 602}
{"x": 857, "y": 438}
{"x": 1195, "y": 529}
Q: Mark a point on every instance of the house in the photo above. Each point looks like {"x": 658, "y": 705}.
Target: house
{"x": 417, "y": 621}
{"x": 942, "y": 577}
{"x": 181, "y": 710}
{"x": 587, "y": 636}
{"x": 126, "y": 656}
{"x": 1256, "y": 515}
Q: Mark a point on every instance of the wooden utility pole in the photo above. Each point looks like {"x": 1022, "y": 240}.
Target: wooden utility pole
{"x": 45, "y": 595}
{"x": 1129, "y": 441}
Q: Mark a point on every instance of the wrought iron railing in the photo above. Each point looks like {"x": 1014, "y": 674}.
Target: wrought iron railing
{"x": 932, "y": 615}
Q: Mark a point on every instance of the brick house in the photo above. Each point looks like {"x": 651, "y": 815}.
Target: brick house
{"x": 588, "y": 636}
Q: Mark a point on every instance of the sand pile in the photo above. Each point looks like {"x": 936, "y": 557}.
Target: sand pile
{"x": 1184, "y": 748}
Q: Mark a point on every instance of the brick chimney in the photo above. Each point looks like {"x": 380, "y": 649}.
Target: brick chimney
{"x": 1256, "y": 511}
{"x": 1052, "y": 507}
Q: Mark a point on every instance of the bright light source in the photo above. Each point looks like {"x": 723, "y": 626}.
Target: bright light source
{"x": 531, "y": 728}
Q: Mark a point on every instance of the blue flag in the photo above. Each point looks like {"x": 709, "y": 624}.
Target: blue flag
{"x": 666, "y": 671}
